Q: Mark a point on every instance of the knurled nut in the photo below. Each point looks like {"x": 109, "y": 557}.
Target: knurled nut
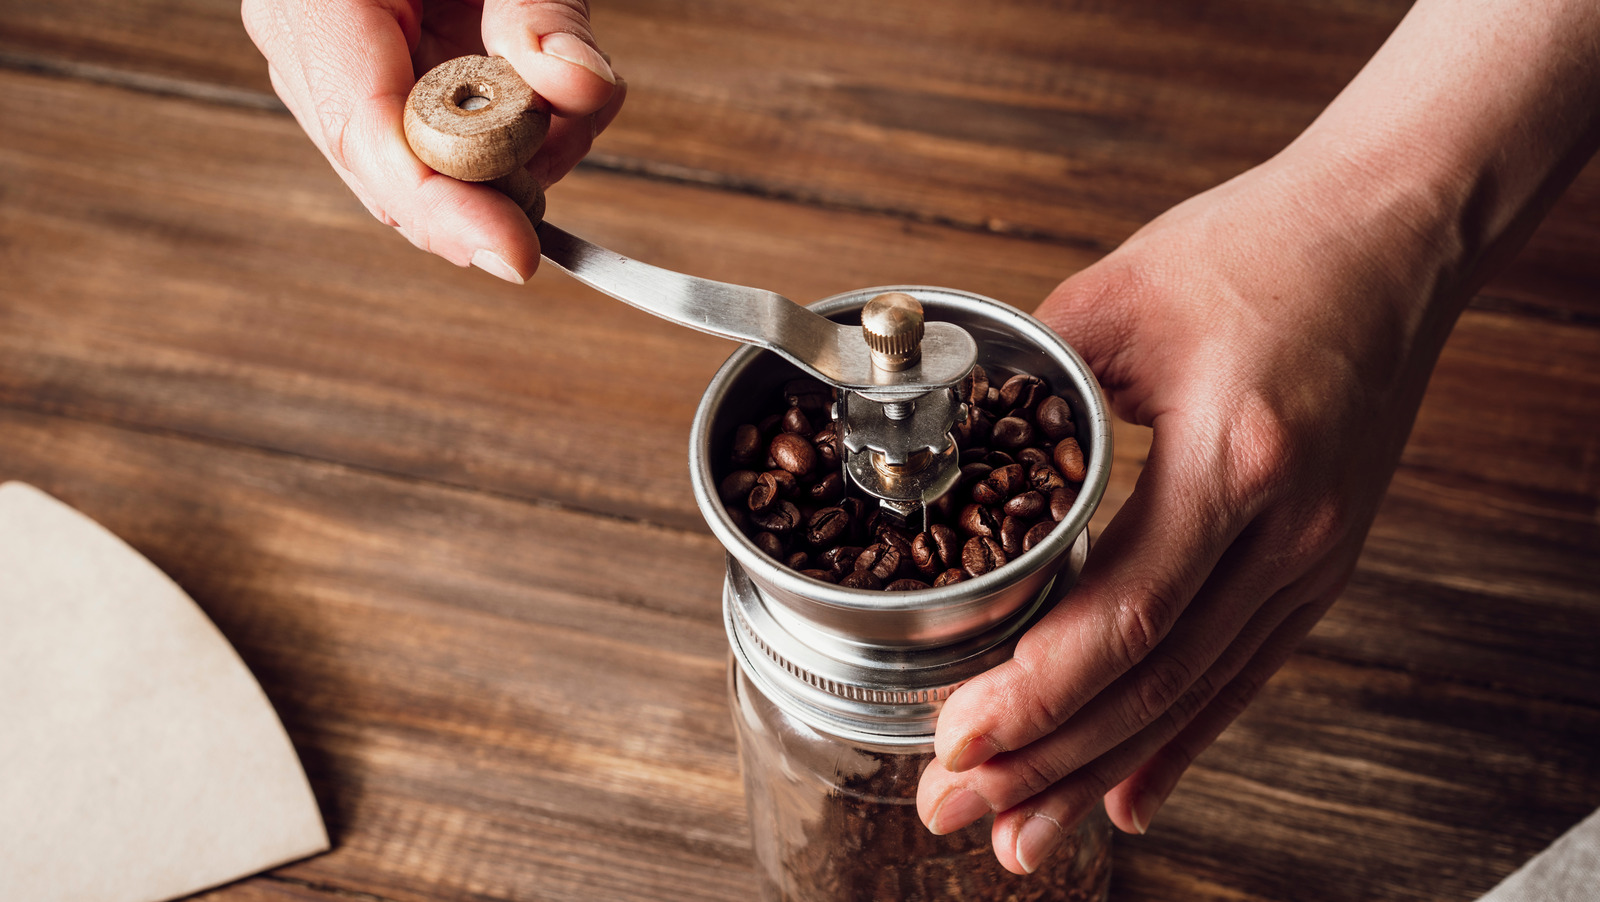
{"x": 892, "y": 325}
{"x": 894, "y": 345}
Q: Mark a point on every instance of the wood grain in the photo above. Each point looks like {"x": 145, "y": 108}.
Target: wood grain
{"x": 1074, "y": 123}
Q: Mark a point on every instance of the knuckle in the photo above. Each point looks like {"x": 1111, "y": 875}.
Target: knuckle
{"x": 1030, "y": 776}
{"x": 1160, "y": 687}
{"x": 1262, "y": 452}
{"x": 1322, "y": 529}
{"x": 1142, "y": 620}
{"x": 1041, "y": 710}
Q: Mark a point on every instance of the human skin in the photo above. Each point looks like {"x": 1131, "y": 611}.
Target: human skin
{"x": 344, "y": 68}
{"x": 1277, "y": 333}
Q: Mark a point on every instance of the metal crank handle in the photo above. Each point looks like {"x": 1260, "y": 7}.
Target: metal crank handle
{"x": 474, "y": 119}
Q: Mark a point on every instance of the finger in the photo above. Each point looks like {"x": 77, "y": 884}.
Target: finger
{"x": 1025, "y": 836}
{"x": 1222, "y": 629}
{"x": 570, "y": 139}
{"x": 357, "y": 88}
{"x": 1133, "y": 802}
{"x": 550, "y": 44}
{"x": 1189, "y": 505}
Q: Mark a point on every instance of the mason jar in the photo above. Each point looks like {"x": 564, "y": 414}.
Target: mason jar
{"x": 835, "y": 691}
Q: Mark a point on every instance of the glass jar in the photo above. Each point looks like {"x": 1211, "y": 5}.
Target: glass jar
{"x": 835, "y": 820}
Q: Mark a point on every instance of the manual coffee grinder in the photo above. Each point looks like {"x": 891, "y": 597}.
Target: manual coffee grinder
{"x": 835, "y": 690}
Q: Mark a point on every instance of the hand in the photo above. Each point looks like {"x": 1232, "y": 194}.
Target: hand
{"x": 1276, "y": 333}
{"x": 344, "y": 68}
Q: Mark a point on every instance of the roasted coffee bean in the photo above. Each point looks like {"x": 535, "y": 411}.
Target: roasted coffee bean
{"x": 975, "y": 387}
{"x": 890, "y": 534}
{"x": 977, "y": 520}
{"x": 906, "y": 585}
{"x": 1037, "y": 534}
{"x": 991, "y": 399}
{"x": 747, "y": 445}
{"x": 979, "y": 423}
{"x": 826, "y": 441}
{"x": 1044, "y": 478}
{"x": 764, "y": 493}
{"x": 770, "y": 545}
{"x": 823, "y": 575}
{"x": 1011, "y": 433}
{"x": 793, "y": 453}
{"x": 772, "y": 485}
{"x": 797, "y": 560}
{"x": 1031, "y": 457}
{"x": 972, "y": 456}
{"x": 770, "y": 426}
{"x": 882, "y": 560}
{"x": 809, "y": 395}
{"x": 985, "y": 494}
{"x": 974, "y": 473}
{"x": 857, "y": 509}
{"x": 1054, "y": 417}
{"x": 861, "y": 579}
{"x": 827, "y": 526}
{"x": 827, "y": 490}
{"x": 1007, "y": 480}
{"x": 795, "y": 422}
{"x": 736, "y": 486}
{"x": 1022, "y": 390}
{"x": 782, "y": 517}
{"x": 998, "y": 459}
{"x": 1029, "y": 505}
{"x": 1061, "y": 501}
{"x": 948, "y": 543}
{"x": 1012, "y": 529}
{"x": 1069, "y": 460}
{"x": 981, "y": 555}
{"x": 925, "y": 555}
{"x": 840, "y": 559}
{"x": 740, "y": 516}
{"x": 953, "y": 575}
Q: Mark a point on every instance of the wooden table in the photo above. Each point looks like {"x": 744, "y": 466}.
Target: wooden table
{"x": 447, "y": 522}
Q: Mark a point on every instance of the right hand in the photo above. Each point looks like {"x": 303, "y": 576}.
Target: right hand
{"x": 344, "y": 68}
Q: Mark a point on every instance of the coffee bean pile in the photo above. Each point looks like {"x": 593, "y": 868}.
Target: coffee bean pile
{"x": 1021, "y": 469}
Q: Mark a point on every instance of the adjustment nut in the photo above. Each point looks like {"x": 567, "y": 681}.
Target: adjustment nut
{"x": 892, "y": 324}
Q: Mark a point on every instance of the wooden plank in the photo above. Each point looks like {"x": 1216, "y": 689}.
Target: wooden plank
{"x": 488, "y": 712}
{"x": 1074, "y": 123}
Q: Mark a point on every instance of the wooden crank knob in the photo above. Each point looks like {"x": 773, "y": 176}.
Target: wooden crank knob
{"x": 473, "y": 118}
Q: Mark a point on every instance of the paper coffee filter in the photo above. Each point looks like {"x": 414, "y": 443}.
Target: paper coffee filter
{"x": 139, "y": 759}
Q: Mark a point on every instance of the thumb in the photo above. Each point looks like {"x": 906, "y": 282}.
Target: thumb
{"x": 551, "y": 45}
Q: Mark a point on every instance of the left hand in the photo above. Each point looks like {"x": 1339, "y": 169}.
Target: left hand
{"x": 1277, "y": 333}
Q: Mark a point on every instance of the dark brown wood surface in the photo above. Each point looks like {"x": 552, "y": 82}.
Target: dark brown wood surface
{"x": 447, "y": 522}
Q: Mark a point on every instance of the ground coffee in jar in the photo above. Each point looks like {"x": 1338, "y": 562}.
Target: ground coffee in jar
{"x": 836, "y": 683}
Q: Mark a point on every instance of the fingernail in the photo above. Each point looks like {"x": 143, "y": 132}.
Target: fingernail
{"x": 956, "y": 810}
{"x": 492, "y": 263}
{"x": 1039, "y": 836}
{"x": 1143, "y": 810}
{"x": 978, "y": 749}
{"x": 575, "y": 50}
